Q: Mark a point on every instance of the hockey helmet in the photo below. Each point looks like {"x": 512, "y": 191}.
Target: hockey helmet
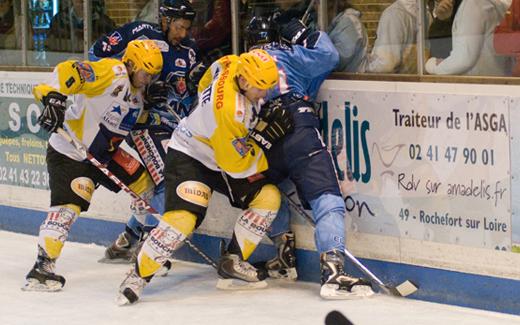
{"x": 145, "y": 55}
{"x": 258, "y": 68}
{"x": 260, "y": 30}
{"x": 177, "y": 9}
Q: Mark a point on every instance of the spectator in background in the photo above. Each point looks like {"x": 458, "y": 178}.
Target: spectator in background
{"x": 7, "y": 30}
{"x": 66, "y": 30}
{"x": 349, "y": 36}
{"x": 214, "y": 37}
{"x": 395, "y": 46}
{"x": 439, "y": 34}
{"x": 473, "y": 51}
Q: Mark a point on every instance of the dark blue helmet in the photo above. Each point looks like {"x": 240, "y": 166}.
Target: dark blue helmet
{"x": 260, "y": 31}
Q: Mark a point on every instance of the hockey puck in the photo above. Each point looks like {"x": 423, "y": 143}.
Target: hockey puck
{"x": 337, "y": 318}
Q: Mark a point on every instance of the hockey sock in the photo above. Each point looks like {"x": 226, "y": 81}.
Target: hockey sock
{"x": 253, "y": 223}
{"x": 164, "y": 240}
{"x": 55, "y": 229}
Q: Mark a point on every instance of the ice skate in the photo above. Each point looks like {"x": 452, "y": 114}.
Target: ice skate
{"x": 237, "y": 274}
{"x": 42, "y": 276}
{"x": 283, "y": 266}
{"x": 121, "y": 251}
{"x": 336, "y": 284}
{"x": 131, "y": 288}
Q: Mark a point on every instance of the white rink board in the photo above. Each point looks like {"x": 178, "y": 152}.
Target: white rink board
{"x": 385, "y": 239}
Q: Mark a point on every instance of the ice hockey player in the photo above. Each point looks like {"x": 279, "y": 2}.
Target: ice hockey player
{"x": 108, "y": 102}
{"x": 210, "y": 150}
{"x": 176, "y": 86}
{"x": 306, "y": 57}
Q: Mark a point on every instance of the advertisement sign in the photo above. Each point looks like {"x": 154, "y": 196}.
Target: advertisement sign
{"x": 22, "y": 142}
{"x": 430, "y": 167}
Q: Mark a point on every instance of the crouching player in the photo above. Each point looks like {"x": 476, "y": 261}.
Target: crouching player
{"x": 108, "y": 100}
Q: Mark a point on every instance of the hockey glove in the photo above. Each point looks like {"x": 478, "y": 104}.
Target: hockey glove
{"x": 53, "y": 115}
{"x": 294, "y": 32}
{"x": 273, "y": 124}
{"x": 194, "y": 76}
{"x": 156, "y": 94}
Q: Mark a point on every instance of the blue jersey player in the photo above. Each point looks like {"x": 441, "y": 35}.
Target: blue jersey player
{"x": 304, "y": 59}
{"x": 173, "y": 86}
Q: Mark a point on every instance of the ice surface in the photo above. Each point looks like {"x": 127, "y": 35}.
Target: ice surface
{"x": 188, "y": 296}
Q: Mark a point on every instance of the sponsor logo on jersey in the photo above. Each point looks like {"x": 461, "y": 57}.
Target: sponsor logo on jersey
{"x": 83, "y": 187}
{"x": 221, "y": 82}
{"x": 115, "y": 38}
{"x": 119, "y": 71}
{"x": 195, "y": 192}
{"x": 241, "y": 146}
{"x": 113, "y": 117}
{"x": 141, "y": 27}
{"x": 130, "y": 119}
{"x": 86, "y": 72}
{"x": 117, "y": 90}
{"x": 126, "y": 161}
{"x": 180, "y": 63}
{"x": 60, "y": 220}
{"x": 162, "y": 45}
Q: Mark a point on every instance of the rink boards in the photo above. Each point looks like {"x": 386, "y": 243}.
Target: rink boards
{"x": 429, "y": 174}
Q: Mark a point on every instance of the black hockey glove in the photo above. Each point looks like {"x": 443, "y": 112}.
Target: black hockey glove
{"x": 194, "y": 76}
{"x": 273, "y": 124}
{"x": 156, "y": 94}
{"x": 294, "y": 32}
{"x": 53, "y": 115}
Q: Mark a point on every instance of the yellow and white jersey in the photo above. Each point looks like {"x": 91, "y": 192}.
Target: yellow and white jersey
{"x": 105, "y": 105}
{"x": 216, "y": 132}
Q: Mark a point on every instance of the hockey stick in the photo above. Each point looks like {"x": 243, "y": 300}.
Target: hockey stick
{"x": 84, "y": 151}
{"x": 404, "y": 289}
{"x": 307, "y": 13}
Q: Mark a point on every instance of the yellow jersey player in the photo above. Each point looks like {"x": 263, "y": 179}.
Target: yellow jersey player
{"x": 108, "y": 100}
{"x": 211, "y": 150}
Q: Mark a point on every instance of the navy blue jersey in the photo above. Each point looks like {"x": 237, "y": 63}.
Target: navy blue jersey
{"x": 177, "y": 60}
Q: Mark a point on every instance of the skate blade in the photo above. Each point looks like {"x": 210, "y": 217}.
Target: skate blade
{"x": 236, "y": 284}
{"x": 106, "y": 260}
{"x": 163, "y": 271}
{"x": 48, "y": 286}
{"x": 285, "y": 274}
{"x": 122, "y": 300}
{"x": 331, "y": 292}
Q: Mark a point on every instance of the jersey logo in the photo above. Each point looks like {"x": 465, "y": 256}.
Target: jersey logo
{"x": 180, "y": 85}
{"x": 195, "y": 192}
{"x": 113, "y": 117}
{"x": 180, "y": 63}
{"x": 117, "y": 90}
{"x": 130, "y": 119}
{"x": 241, "y": 146}
{"x": 115, "y": 38}
{"x": 85, "y": 71}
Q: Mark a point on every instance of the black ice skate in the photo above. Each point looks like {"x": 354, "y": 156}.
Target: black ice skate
{"x": 336, "y": 284}
{"x": 42, "y": 276}
{"x": 131, "y": 288}
{"x": 121, "y": 251}
{"x": 237, "y": 274}
{"x": 283, "y": 266}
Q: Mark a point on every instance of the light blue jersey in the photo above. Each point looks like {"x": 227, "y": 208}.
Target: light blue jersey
{"x": 303, "y": 68}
